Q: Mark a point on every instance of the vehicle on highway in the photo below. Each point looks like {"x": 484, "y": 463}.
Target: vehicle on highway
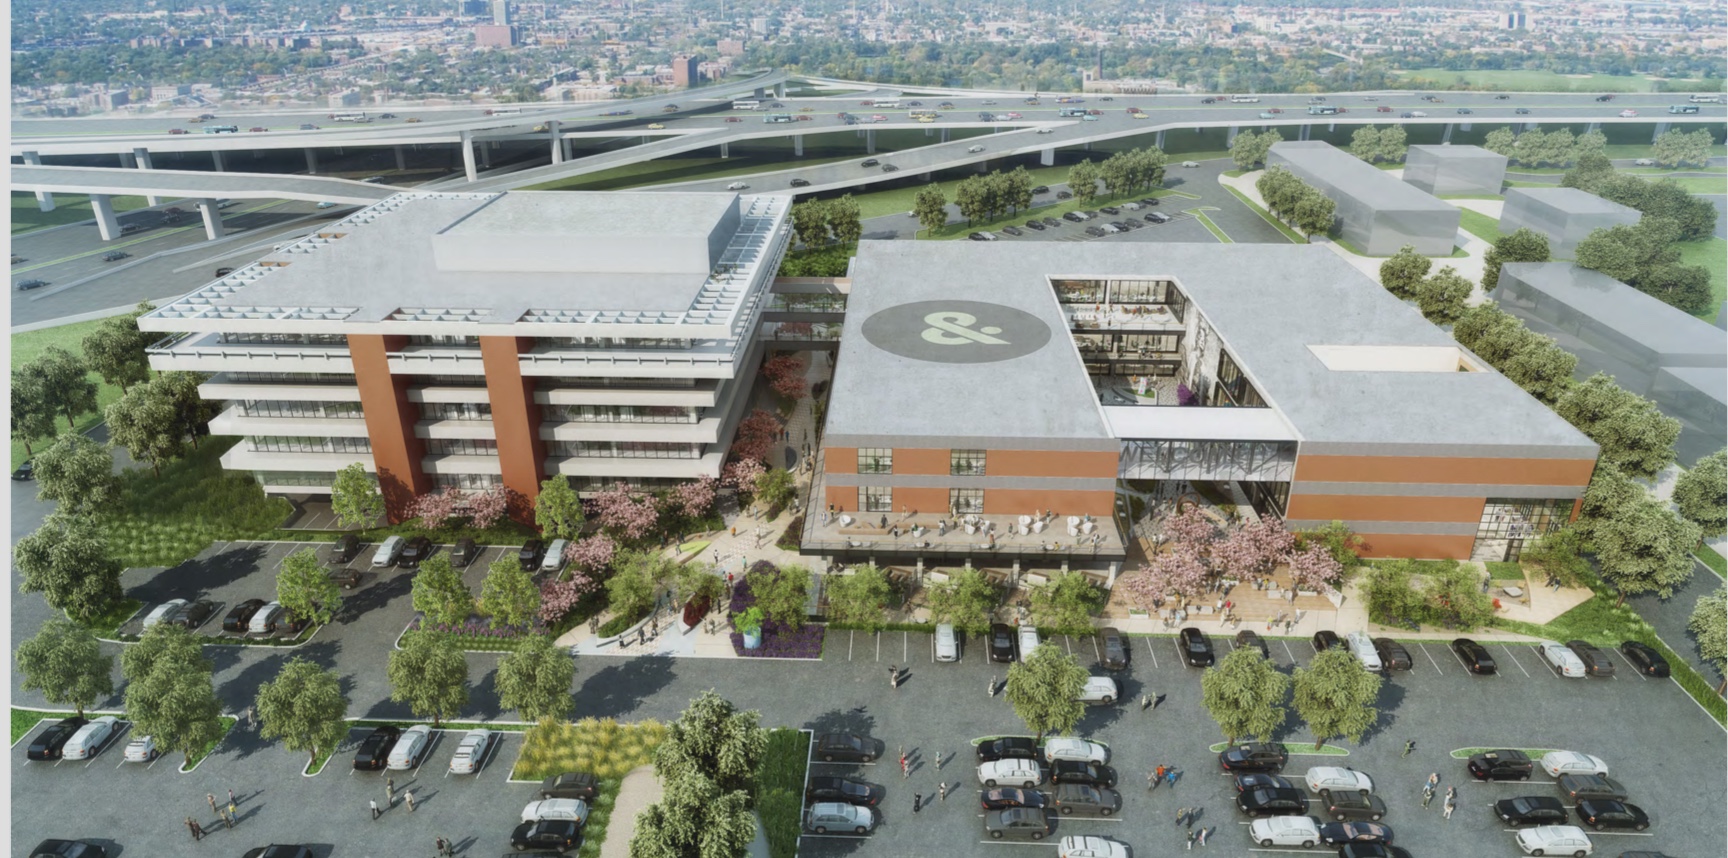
{"x": 843, "y": 790}
{"x": 1003, "y": 798}
{"x": 827, "y": 816}
{"x": 326, "y": 205}
{"x": 568, "y": 809}
{"x": 178, "y": 131}
{"x": 1505, "y": 764}
{"x": 1065, "y": 195}
{"x": 1393, "y": 655}
{"x": 1628, "y": 114}
{"x": 737, "y": 186}
{"x": 1645, "y": 658}
{"x": 1303, "y": 831}
{"x": 1018, "y": 823}
{"x": 1089, "y": 846}
{"x": 1268, "y": 801}
{"x": 1089, "y": 118}
{"x": 890, "y": 168}
{"x": 1581, "y": 787}
{"x": 1010, "y": 771}
{"x": 1196, "y": 647}
{"x": 1383, "y": 109}
{"x": 1531, "y": 810}
{"x": 1113, "y": 647}
{"x": 1046, "y": 130}
{"x": 582, "y": 785}
{"x": 1465, "y": 111}
{"x": 374, "y": 750}
{"x": 1555, "y": 840}
{"x": 1338, "y": 833}
{"x": 387, "y": 552}
{"x": 1596, "y": 662}
{"x": 1329, "y": 779}
{"x": 1266, "y": 114}
{"x": 1263, "y": 757}
{"x": 49, "y": 743}
{"x": 655, "y": 126}
{"x": 472, "y": 750}
{"x": 240, "y": 616}
{"x": 1644, "y": 162}
{"x": 1475, "y": 657}
{"x": 1362, "y": 646}
{"x": 1557, "y": 763}
{"x": 1561, "y": 658}
{"x": 32, "y": 283}
{"x": 800, "y": 183}
{"x": 257, "y": 129}
{"x": 975, "y": 149}
{"x": 734, "y": 119}
{"x": 558, "y": 835}
{"x": 410, "y": 748}
{"x": 848, "y": 747}
{"x": 1605, "y": 98}
{"x": 142, "y": 749}
{"x": 1142, "y": 116}
{"x": 115, "y": 256}
{"x": 90, "y": 738}
{"x": 1597, "y": 813}
{"x": 1009, "y": 748}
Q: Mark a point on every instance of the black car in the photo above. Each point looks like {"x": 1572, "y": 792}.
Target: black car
{"x": 463, "y": 553}
{"x": 278, "y": 851}
{"x": 25, "y": 471}
{"x": 240, "y": 615}
{"x": 1502, "y": 97}
{"x": 800, "y": 183}
{"x": 1012, "y": 230}
{"x": 890, "y": 168}
{"x": 1604, "y": 98}
{"x": 582, "y": 785}
{"x": 530, "y": 554}
{"x": 1110, "y": 210}
{"x": 1648, "y": 661}
{"x": 844, "y": 790}
{"x": 193, "y": 614}
{"x": 48, "y": 743}
{"x": 1035, "y": 224}
{"x": 1064, "y": 195}
{"x": 1149, "y": 201}
{"x": 1325, "y": 639}
{"x": 1196, "y": 647}
{"x": 115, "y": 256}
{"x": 1086, "y": 800}
{"x": 1002, "y": 643}
{"x": 67, "y": 849}
{"x": 1071, "y": 217}
{"x": 1465, "y": 111}
{"x": 1475, "y": 656}
{"x": 414, "y": 552}
{"x": 869, "y": 162}
{"x": 559, "y": 834}
{"x": 1096, "y": 232}
{"x": 1247, "y": 782}
{"x": 1393, "y": 655}
{"x": 1041, "y": 189}
{"x": 1081, "y": 772}
{"x": 27, "y": 285}
{"x": 1337, "y": 833}
{"x": 1587, "y": 787}
{"x": 345, "y": 548}
{"x": 1052, "y": 222}
{"x": 1345, "y": 806}
{"x": 374, "y": 750}
{"x": 1009, "y": 748}
{"x": 1114, "y": 646}
{"x": 1003, "y": 798}
{"x": 1531, "y": 810}
{"x": 1501, "y": 765}
{"x": 1208, "y": 100}
{"x": 1596, "y": 662}
{"x": 1262, "y": 757}
{"x": 1375, "y": 850}
{"x": 1607, "y": 813}
{"x": 345, "y": 578}
{"x": 848, "y": 747}
{"x": 1272, "y": 802}
{"x": 1250, "y": 639}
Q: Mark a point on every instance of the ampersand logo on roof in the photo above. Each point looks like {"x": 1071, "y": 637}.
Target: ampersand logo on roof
{"x": 957, "y": 331}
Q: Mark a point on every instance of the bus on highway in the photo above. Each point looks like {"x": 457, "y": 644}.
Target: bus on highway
{"x": 891, "y": 104}
{"x": 1697, "y": 98}
{"x": 920, "y": 113}
{"x": 1071, "y": 111}
{"x": 777, "y": 117}
{"x": 221, "y": 129}
{"x": 504, "y": 111}
{"x": 747, "y": 104}
{"x": 350, "y": 117}
{"x": 1321, "y": 110}
{"x": 1245, "y": 99}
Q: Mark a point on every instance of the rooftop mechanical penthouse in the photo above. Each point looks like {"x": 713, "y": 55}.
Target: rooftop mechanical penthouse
{"x": 476, "y": 339}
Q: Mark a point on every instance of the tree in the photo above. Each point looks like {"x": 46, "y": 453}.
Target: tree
{"x": 438, "y": 506}
{"x": 1245, "y": 695}
{"x": 1249, "y": 149}
{"x": 508, "y": 595}
{"x": 1441, "y": 297}
{"x": 1045, "y": 687}
{"x": 775, "y": 488}
{"x": 1454, "y": 597}
{"x": 931, "y": 207}
{"x": 1315, "y": 213}
{"x": 354, "y": 497}
{"x": 429, "y": 674}
{"x": 860, "y": 599}
{"x": 1177, "y": 572}
{"x": 1365, "y": 143}
{"x": 715, "y": 740}
{"x": 1647, "y": 548}
{"x": 1500, "y": 141}
{"x": 1083, "y": 182}
{"x": 1335, "y": 696}
{"x": 1066, "y": 604}
{"x": 1523, "y": 245}
{"x": 1314, "y": 568}
{"x": 1019, "y": 188}
{"x": 1394, "y": 143}
{"x": 78, "y": 474}
{"x": 33, "y": 415}
{"x": 1592, "y": 170}
{"x": 969, "y": 199}
{"x": 438, "y": 592}
{"x": 1341, "y": 542}
{"x": 306, "y": 591}
{"x": 1389, "y": 596}
{"x": 844, "y": 219}
{"x": 145, "y": 423}
{"x": 115, "y": 349}
{"x": 67, "y": 560}
{"x": 1709, "y": 626}
{"x": 1610, "y": 494}
{"x": 591, "y": 554}
{"x": 304, "y": 707}
{"x": 487, "y": 506}
{"x": 625, "y": 513}
{"x": 169, "y": 693}
{"x": 694, "y": 819}
{"x": 535, "y": 680}
{"x": 695, "y": 498}
{"x": 1403, "y": 271}
{"x": 967, "y": 599}
{"x": 1633, "y": 434}
{"x": 1700, "y": 493}
{"x": 65, "y": 662}
{"x": 810, "y": 222}
{"x": 66, "y": 378}
{"x": 192, "y": 411}
{"x": 558, "y": 509}
{"x": 636, "y": 579}
{"x": 1559, "y": 556}
{"x": 781, "y": 593}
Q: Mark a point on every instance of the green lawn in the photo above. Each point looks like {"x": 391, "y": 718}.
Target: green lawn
{"x": 1712, "y": 253}
{"x": 1713, "y": 560}
{"x": 1480, "y": 225}
{"x": 1533, "y": 81}
{"x": 1467, "y": 753}
{"x": 68, "y": 208}
{"x": 168, "y": 519}
{"x": 28, "y": 346}
{"x": 961, "y": 229}
{"x": 1210, "y": 226}
{"x": 1701, "y": 185}
{"x": 25, "y": 720}
{"x": 1645, "y": 150}
{"x": 780, "y": 789}
{"x": 899, "y": 200}
{"x": 1294, "y": 236}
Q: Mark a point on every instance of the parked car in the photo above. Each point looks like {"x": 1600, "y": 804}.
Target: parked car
{"x": 264, "y": 619}
{"x": 345, "y": 548}
{"x": 1475, "y": 657}
{"x": 463, "y": 553}
{"x": 1330, "y": 779}
{"x": 1112, "y": 644}
{"x": 25, "y": 471}
{"x": 1110, "y": 210}
{"x": 1024, "y": 773}
{"x": 1012, "y": 230}
{"x": 946, "y": 643}
{"x": 1196, "y": 647}
{"x": 1581, "y": 787}
{"x": 1157, "y": 217}
{"x": 374, "y": 750}
{"x": 1035, "y": 224}
{"x": 1001, "y": 643}
{"x": 162, "y": 612}
{"x": 410, "y": 748}
{"x": 1501, "y": 765}
{"x": 413, "y": 552}
{"x": 827, "y": 816}
{"x": 345, "y": 578}
{"x": 1645, "y": 658}
{"x": 1086, "y": 800}
{"x": 142, "y": 749}
{"x": 1555, "y": 840}
{"x": 1250, "y": 639}
{"x": 554, "y": 559}
{"x": 1393, "y": 655}
{"x": 1078, "y": 772}
{"x": 1257, "y": 780}
{"x": 848, "y": 747}
{"x": 1561, "y": 658}
{"x": 1253, "y": 757}
{"x": 1372, "y": 850}
{"x": 1028, "y": 640}
{"x": 568, "y": 809}
{"x": 1598, "y": 813}
{"x": 1338, "y": 833}
{"x": 582, "y": 785}
{"x": 241, "y": 615}
{"x": 1325, "y": 639}
{"x": 1596, "y": 662}
{"x": 528, "y": 556}
{"x": 558, "y": 835}
{"x": 1018, "y": 823}
{"x": 192, "y": 614}
{"x": 1051, "y": 222}
{"x": 843, "y": 790}
{"x": 1531, "y": 810}
{"x": 90, "y": 738}
{"x": 49, "y": 743}
{"x": 1557, "y": 763}
{"x": 1003, "y": 798}
{"x": 1362, "y": 647}
{"x": 472, "y": 750}
{"x": 1303, "y": 831}
{"x": 1090, "y": 846}
{"x": 387, "y": 552}
{"x": 277, "y": 850}
{"x": 1009, "y": 748}
{"x": 1070, "y": 748}
{"x": 1341, "y": 805}
{"x": 1099, "y": 691}
{"x": 67, "y": 849}
{"x": 1272, "y": 802}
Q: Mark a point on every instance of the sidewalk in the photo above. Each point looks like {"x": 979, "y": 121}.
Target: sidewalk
{"x": 639, "y": 789}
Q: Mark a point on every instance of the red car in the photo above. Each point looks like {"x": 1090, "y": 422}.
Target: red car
{"x": 257, "y": 128}
{"x": 803, "y": 119}
{"x": 734, "y": 119}
{"x": 1383, "y": 109}
{"x": 1274, "y": 110}
{"x": 178, "y": 131}
{"x": 866, "y": 103}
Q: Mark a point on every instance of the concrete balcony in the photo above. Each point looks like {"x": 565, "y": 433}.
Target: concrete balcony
{"x": 223, "y": 387}
{"x": 233, "y": 421}
{"x": 449, "y": 393}
{"x": 704, "y": 395}
{"x": 204, "y": 352}
{"x": 432, "y": 360}
{"x": 461, "y": 465}
{"x": 705, "y": 431}
{"x": 471, "y": 429}
{"x": 630, "y": 364}
{"x": 238, "y": 458}
{"x": 684, "y": 469}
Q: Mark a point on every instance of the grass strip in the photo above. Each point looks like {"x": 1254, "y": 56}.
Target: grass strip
{"x": 193, "y": 759}
{"x": 1532, "y": 753}
{"x": 1479, "y": 225}
{"x": 106, "y": 625}
{"x": 1713, "y": 560}
{"x": 780, "y": 790}
{"x": 318, "y": 764}
{"x": 1505, "y": 571}
{"x": 1211, "y": 227}
{"x": 68, "y": 208}
{"x": 30, "y": 345}
{"x": 1296, "y": 749}
{"x": 1712, "y": 253}
{"x": 25, "y": 720}
{"x": 1294, "y": 236}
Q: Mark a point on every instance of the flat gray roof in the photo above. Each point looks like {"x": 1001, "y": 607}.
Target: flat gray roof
{"x": 1614, "y": 305}
{"x": 1268, "y": 304}
{"x": 1454, "y": 151}
{"x": 595, "y": 215}
{"x": 1570, "y": 200}
{"x": 1360, "y": 179}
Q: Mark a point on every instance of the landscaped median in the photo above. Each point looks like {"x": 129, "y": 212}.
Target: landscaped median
{"x": 25, "y": 721}
{"x": 780, "y": 786}
{"x": 1294, "y": 749}
{"x": 602, "y": 746}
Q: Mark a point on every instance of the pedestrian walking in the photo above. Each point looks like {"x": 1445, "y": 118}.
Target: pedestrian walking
{"x": 1433, "y": 780}
{"x": 1152, "y": 778}
{"x": 1409, "y": 746}
{"x": 192, "y": 826}
{"x": 211, "y": 797}
{"x": 917, "y": 802}
{"x": 1156, "y": 699}
{"x": 1446, "y": 811}
{"x": 1182, "y": 816}
{"x": 1170, "y": 778}
{"x": 232, "y": 811}
{"x": 390, "y": 791}
{"x": 1203, "y": 833}
{"x": 375, "y": 811}
{"x": 1427, "y": 795}
{"x": 227, "y": 821}
{"x": 1161, "y": 771}
{"x": 894, "y": 675}
{"x": 251, "y": 716}
{"x": 409, "y": 798}
{"x": 1191, "y": 838}
{"x": 992, "y": 687}
{"x": 942, "y": 790}
{"x": 231, "y": 801}
{"x": 1145, "y": 702}
{"x": 440, "y": 843}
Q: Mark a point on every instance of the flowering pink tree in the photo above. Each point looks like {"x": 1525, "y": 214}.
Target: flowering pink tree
{"x": 1176, "y": 572}
{"x": 694, "y": 499}
{"x": 1191, "y": 528}
{"x": 435, "y": 508}
{"x": 781, "y": 366}
{"x": 741, "y": 474}
{"x": 559, "y": 598}
{"x": 624, "y": 512}
{"x": 487, "y": 507}
{"x": 591, "y": 554}
{"x": 1253, "y": 547}
{"x": 791, "y": 386}
{"x": 756, "y": 435}
{"x": 1314, "y": 568}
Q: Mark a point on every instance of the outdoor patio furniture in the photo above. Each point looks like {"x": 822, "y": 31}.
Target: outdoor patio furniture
{"x": 845, "y": 520}
{"x": 1514, "y": 592}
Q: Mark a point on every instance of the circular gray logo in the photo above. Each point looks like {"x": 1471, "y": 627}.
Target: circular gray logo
{"x": 956, "y": 331}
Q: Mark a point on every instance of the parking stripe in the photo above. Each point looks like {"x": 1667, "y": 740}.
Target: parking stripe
{"x": 1286, "y": 645}
{"x": 1514, "y": 660}
{"x": 1634, "y": 668}
{"x": 1154, "y": 651}
{"x": 1424, "y": 649}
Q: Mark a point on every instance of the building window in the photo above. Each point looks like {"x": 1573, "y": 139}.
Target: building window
{"x": 624, "y": 413}
{"x": 631, "y": 383}
{"x": 1233, "y": 386}
{"x": 263, "y": 339}
{"x": 446, "y": 340}
{"x": 461, "y": 447}
{"x": 303, "y": 444}
{"x": 453, "y": 380}
{"x": 456, "y": 410}
{"x": 963, "y": 501}
{"x": 318, "y": 479}
{"x": 878, "y": 499}
{"x": 466, "y": 481}
{"x": 627, "y": 449}
{"x": 296, "y": 408}
{"x": 286, "y": 378}
{"x": 966, "y": 463}
{"x": 1522, "y": 518}
{"x": 875, "y": 460}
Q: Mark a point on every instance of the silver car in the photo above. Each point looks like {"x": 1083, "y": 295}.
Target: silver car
{"x": 826, "y": 816}
{"x": 471, "y": 752}
{"x": 1018, "y": 823}
{"x": 947, "y": 643}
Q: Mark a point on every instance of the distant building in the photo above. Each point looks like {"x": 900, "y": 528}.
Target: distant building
{"x": 1566, "y": 215}
{"x": 1455, "y": 169}
{"x": 494, "y": 36}
{"x": 686, "y": 71}
{"x": 169, "y": 92}
{"x": 501, "y": 13}
{"x": 730, "y": 47}
{"x": 346, "y": 98}
{"x": 1376, "y": 212}
{"x": 1517, "y": 21}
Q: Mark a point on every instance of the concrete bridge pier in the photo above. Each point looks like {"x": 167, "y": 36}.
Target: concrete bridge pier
{"x": 798, "y": 145}
{"x": 311, "y": 160}
{"x": 44, "y": 199}
{"x": 142, "y": 156}
{"x": 212, "y": 219}
{"x": 725, "y": 150}
{"x": 1594, "y": 126}
{"x": 1303, "y": 135}
{"x": 467, "y": 145}
{"x": 128, "y": 161}
{"x": 869, "y": 141}
{"x": 1230, "y": 135}
{"x": 944, "y": 134}
{"x": 1531, "y": 126}
{"x": 486, "y": 153}
{"x": 1158, "y": 140}
{"x": 220, "y": 161}
{"x": 106, "y": 223}
{"x": 1446, "y": 135}
{"x": 1661, "y": 129}
{"x": 401, "y": 157}
{"x": 1047, "y": 158}
{"x": 780, "y": 90}
{"x": 553, "y": 128}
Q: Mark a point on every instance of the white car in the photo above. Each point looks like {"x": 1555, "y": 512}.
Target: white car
{"x": 1088, "y": 846}
{"x": 1069, "y": 748}
{"x": 471, "y": 752}
{"x": 326, "y": 205}
{"x": 1562, "y": 658}
{"x": 1644, "y": 162}
{"x": 410, "y": 748}
{"x": 163, "y": 611}
{"x": 1100, "y": 690}
{"x": 570, "y": 809}
{"x": 1190, "y": 163}
{"x": 1555, "y": 840}
{"x": 554, "y": 559}
{"x": 1301, "y": 831}
{"x": 1028, "y": 641}
{"x": 1011, "y": 772}
{"x": 976, "y": 149}
{"x": 947, "y": 643}
{"x": 265, "y": 619}
{"x": 90, "y": 738}
{"x": 1362, "y": 647}
{"x": 1324, "y": 779}
{"x": 737, "y": 186}
{"x": 1557, "y": 763}
{"x": 825, "y": 816}
{"x": 142, "y": 749}
{"x": 386, "y": 553}
{"x": 1046, "y": 131}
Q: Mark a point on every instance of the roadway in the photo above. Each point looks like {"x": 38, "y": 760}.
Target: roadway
{"x": 198, "y": 185}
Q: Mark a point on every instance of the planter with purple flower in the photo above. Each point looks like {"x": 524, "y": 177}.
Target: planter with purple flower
{"x": 749, "y": 626}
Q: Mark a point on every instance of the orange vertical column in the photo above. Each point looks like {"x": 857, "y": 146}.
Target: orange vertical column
{"x": 390, "y": 419}
{"x": 515, "y": 421}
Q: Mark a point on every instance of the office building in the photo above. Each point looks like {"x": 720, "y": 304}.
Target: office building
{"x": 686, "y": 71}
{"x": 1455, "y": 170}
{"x": 501, "y": 13}
{"x": 474, "y": 339}
{"x": 1566, "y": 215}
{"x": 494, "y": 36}
{"x": 1376, "y": 212}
